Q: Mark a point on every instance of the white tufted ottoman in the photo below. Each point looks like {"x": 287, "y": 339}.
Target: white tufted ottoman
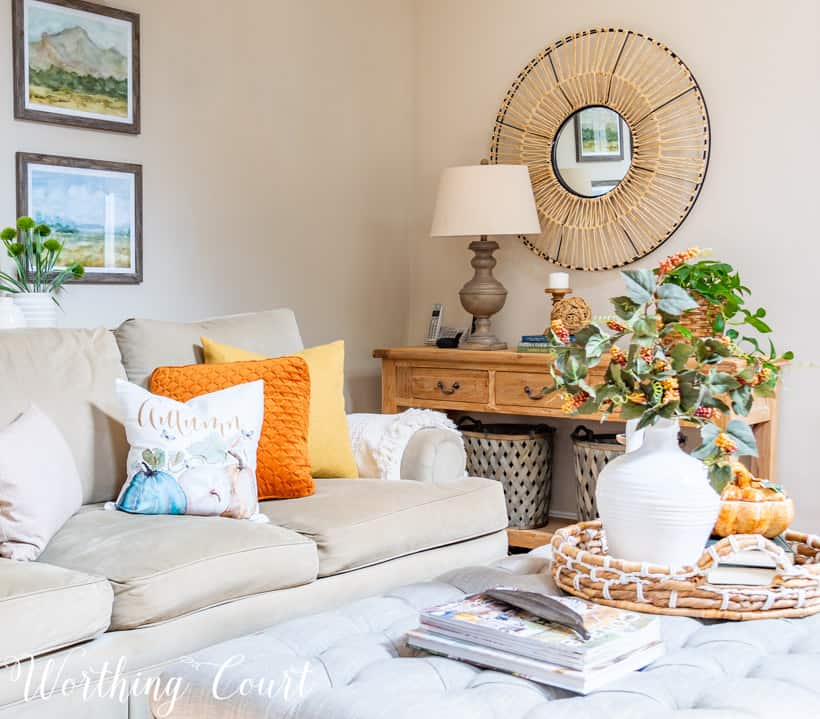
{"x": 352, "y": 663}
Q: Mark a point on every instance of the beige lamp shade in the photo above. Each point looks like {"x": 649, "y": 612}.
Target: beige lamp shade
{"x": 485, "y": 200}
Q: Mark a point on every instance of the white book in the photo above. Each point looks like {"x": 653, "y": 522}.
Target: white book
{"x": 542, "y": 672}
{"x": 752, "y": 576}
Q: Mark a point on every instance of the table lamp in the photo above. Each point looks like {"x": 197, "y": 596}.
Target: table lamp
{"x": 484, "y": 200}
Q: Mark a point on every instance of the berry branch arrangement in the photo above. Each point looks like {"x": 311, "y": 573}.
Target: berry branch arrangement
{"x": 657, "y": 368}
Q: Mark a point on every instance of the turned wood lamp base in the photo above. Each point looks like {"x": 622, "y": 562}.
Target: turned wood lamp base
{"x": 482, "y": 297}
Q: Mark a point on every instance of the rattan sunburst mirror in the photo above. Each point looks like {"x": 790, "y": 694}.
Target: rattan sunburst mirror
{"x": 615, "y": 132}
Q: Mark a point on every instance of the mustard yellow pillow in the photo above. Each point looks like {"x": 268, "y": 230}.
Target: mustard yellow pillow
{"x": 331, "y": 454}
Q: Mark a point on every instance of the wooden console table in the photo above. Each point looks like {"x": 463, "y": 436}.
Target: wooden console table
{"x": 513, "y": 383}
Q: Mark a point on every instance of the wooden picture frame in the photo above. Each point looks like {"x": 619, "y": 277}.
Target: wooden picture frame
{"x": 580, "y": 154}
{"x": 66, "y": 93}
{"x": 110, "y": 250}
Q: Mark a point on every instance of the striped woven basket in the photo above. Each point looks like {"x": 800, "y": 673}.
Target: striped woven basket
{"x": 699, "y": 321}
{"x": 581, "y": 567}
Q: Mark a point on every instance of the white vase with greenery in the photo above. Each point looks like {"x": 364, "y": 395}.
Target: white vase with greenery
{"x": 37, "y": 280}
{"x": 656, "y": 502}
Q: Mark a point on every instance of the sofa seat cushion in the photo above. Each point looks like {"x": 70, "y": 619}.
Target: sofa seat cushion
{"x": 358, "y": 522}
{"x": 165, "y": 566}
{"x": 43, "y": 608}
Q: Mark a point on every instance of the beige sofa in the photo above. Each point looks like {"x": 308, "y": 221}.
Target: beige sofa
{"x": 115, "y": 597}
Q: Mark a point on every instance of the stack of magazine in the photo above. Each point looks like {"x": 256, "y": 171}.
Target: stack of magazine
{"x": 489, "y": 633}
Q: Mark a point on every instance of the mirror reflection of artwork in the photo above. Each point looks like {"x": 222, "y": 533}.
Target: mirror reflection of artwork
{"x": 93, "y": 207}
{"x": 76, "y": 63}
{"x": 599, "y": 135}
{"x": 608, "y": 136}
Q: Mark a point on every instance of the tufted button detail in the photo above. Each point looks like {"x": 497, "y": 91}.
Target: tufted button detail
{"x": 360, "y": 666}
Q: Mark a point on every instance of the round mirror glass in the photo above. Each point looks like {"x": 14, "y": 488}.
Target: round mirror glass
{"x": 592, "y": 151}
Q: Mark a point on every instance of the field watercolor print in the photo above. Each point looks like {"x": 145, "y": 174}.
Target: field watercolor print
{"x": 598, "y": 135}
{"x": 76, "y": 63}
{"x": 93, "y": 207}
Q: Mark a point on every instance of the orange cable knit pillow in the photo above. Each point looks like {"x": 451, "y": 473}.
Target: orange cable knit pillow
{"x": 283, "y": 463}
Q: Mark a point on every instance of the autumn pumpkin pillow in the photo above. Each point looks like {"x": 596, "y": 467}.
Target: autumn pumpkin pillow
{"x": 196, "y": 457}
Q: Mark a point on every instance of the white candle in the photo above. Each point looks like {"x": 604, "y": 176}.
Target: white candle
{"x": 558, "y": 281}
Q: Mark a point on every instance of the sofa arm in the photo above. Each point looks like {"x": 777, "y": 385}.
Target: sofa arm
{"x": 434, "y": 455}
{"x": 417, "y": 444}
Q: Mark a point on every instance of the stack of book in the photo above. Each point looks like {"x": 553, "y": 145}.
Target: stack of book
{"x": 749, "y": 567}
{"x": 533, "y": 343}
{"x": 489, "y": 633}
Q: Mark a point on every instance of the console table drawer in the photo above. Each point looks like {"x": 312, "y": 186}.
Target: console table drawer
{"x": 525, "y": 389}
{"x": 450, "y": 384}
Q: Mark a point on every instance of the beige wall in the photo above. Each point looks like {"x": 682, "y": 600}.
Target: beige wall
{"x": 276, "y": 152}
{"x": 757, "y": 63}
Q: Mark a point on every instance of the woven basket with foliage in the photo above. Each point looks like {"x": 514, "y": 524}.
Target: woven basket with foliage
{"x": 699, "y": 321}
{"x": 581, "y": 567}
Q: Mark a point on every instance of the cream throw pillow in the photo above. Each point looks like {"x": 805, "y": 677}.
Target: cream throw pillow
{"x": 39, "y": 485}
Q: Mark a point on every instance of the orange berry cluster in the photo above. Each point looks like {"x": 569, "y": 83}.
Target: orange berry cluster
{"x": 706, "y": 412}
{"x": 573, "y": 402}
{"x": 637, "y": 398}
{"x": 671, "y": 393}
{"x": 761, "y": 377}
{"x": 673, "y": 261}
{"x": 560, "y": 331}
{"x": 618, "y": 355}
{"x": 646, "y": 354}
{"x": 616, "y": 326}
{"x": 661, "y": 365}
{"x": 725, "y": 443}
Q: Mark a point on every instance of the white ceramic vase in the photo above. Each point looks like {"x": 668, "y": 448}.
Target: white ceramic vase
{"x": 655, "y": 501}
{"x": 11, "y": 316}
{"x": 38, "y": 308}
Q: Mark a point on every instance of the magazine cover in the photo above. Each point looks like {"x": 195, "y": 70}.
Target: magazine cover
{"x": 479, "y": 612}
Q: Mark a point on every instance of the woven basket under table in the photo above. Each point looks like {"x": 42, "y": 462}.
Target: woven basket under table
{"x": 581, "y": 567}
{"x": 520, "y": 457}
{"x": 591, "y": 453}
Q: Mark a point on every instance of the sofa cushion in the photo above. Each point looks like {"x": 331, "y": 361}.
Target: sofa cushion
{"x": 43, "y": 608}
{"x": 358, "y": 522}
{"x": 69, "y": 375}
{"x": 328, "y": 438}
{"x": 39, "y": 485}
{"x": 165, "y": 566}
{"x": 148, "y": 344}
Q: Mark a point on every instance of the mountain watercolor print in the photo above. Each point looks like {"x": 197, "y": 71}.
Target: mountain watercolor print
{"x": 76, "y": 63}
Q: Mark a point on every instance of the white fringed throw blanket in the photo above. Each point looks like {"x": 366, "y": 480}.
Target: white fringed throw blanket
{"x": 379, "y": 440}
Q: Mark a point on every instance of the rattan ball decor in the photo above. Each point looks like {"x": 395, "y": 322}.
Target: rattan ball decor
{"x": 662, "y": 105}
{"x": 574, "y": 312}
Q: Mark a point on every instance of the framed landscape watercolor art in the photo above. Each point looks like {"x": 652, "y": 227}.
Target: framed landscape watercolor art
{"x": 93, "y": 207}
{"x": 76, "y": 63}
{"x": 599, "y": 135}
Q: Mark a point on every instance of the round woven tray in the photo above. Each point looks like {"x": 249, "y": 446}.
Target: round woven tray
{"x": 581, "y": 567}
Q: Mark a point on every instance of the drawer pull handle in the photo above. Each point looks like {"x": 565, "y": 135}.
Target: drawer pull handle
{"x": 448, "y": 390}
{"x": 535, "y": 395}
